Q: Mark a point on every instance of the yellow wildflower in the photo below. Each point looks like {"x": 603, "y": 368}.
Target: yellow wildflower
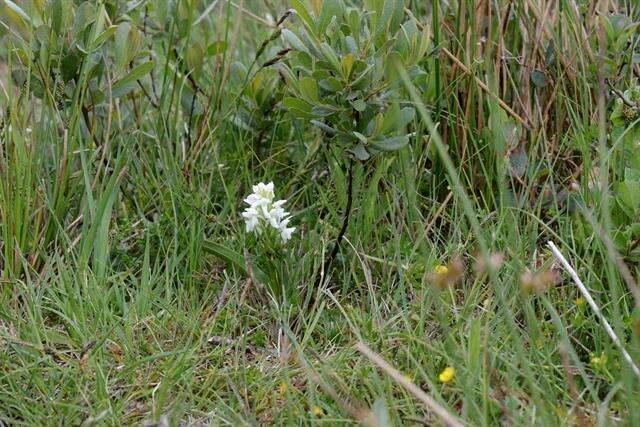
{"x": 446, "y": 375}
{"x": 447, "y": 275}
{"x": 282, "y": 388}
{"x": 442, "y": 269}
{"x": 579, "y": 301}
{"x": 598, "y": 361}
{"x": 317, "y": 411}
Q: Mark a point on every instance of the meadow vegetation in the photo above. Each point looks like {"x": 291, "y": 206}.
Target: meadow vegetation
{"x": 427, "y": 150}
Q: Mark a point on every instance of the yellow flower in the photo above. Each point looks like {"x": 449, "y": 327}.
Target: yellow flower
{"x": 446, "y": 375}
{"x": 282, "y": 388}
{"x": 317, "y": 411}
{"x": 598, "y": 362}
{"x": 442, "y": 269}
{"x": 579, "y": 301}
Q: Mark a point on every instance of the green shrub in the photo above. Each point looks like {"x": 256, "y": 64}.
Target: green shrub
{"x": 341, "y": 77}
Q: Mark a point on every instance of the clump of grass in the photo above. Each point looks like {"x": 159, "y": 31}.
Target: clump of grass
{"x": 131, "y": 132}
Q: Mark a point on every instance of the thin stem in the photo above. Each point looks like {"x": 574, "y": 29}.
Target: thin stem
{"x": 347, "y": 215}
{"x": 324, "y": 269}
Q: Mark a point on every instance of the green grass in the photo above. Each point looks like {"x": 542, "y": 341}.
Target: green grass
{"x": 130, "y": 292}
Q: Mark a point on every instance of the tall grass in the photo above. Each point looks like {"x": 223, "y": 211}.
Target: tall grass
{"x": 130, "y": 133}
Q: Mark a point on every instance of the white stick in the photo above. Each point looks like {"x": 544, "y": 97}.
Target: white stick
{"x": 594, "y": 306}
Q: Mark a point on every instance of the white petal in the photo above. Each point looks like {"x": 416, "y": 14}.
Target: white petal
{"x": 263, "y": 201}
{"x": 273, "y": 221}
{"x": 277, "y": 213}
{"x": 284, "y": 222}
{"x": 285, "y": 233}
{"x": 269, "y": 187}
{"x": 264, "y": 191}
{"x": 251, "y": 224}
{"x": 252, "y": 199}
{"x": 249, "y": 213}
{"x": 256, "y": 188}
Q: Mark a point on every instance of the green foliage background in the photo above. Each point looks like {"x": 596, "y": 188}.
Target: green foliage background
{"x": 130, "y": 132}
